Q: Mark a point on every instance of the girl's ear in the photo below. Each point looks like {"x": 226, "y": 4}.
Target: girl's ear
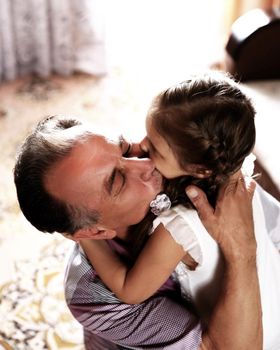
{"x": 94, "y": 232}
{"x": 200, "y": 171}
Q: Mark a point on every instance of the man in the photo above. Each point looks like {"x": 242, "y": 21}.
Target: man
{"x": 78, "y": 183}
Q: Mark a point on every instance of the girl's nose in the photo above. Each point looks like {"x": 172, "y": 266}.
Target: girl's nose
{"x": 144, "y": 145}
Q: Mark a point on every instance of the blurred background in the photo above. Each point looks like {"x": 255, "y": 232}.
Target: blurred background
{"x": 103, "y": 61}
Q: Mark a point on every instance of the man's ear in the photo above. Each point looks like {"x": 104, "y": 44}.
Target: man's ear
{"x": 95, "y": 232}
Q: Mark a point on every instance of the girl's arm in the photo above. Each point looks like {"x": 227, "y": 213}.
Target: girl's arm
{"x": 152, "y": 268}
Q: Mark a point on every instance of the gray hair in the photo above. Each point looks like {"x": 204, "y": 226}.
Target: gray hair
{"x": 51, "y": 141}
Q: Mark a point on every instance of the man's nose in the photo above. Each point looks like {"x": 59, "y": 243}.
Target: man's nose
{"x": 141, "y": 167}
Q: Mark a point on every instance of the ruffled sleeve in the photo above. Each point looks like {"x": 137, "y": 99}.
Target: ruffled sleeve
{"x": 181, "y": 231}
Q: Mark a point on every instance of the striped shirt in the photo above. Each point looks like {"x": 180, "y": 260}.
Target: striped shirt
{"x": 161, "y": 322}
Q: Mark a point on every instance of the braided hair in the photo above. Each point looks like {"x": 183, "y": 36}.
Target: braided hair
{"x": 206, "y": 120}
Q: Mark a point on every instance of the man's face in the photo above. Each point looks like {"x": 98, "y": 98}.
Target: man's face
{"x": 97, "y": 176}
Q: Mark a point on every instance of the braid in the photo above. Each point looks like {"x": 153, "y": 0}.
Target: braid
{"x": 206, "y": 120}
{"x": 224, "y": 138}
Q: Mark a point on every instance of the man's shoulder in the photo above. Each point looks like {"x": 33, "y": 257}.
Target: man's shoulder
{"x": 82, "y": 284}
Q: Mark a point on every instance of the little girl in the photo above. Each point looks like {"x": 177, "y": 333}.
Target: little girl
{"x": 198, "y": 132}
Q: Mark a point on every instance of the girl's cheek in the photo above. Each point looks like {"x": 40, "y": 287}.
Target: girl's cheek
{"x": 160, "y": 167}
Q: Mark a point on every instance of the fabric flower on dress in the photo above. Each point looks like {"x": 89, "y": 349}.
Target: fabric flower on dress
{"x": 160, "y": 204}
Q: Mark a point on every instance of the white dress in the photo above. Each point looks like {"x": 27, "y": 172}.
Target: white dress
{"x": 202, "y": 285}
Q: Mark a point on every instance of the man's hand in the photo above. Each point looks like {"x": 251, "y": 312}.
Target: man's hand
{"x": 231, "y": 222}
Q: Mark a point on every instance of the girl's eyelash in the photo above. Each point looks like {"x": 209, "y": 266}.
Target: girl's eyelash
{"x": 154, "y": 151}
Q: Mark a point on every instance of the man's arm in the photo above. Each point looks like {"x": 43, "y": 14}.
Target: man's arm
{"x": 236, "y": 320}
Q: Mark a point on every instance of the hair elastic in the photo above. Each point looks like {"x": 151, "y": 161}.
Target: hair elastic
{"x": 160, "y": 204}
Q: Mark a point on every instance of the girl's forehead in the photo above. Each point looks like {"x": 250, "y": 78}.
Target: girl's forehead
{"x": 148, "y": 120}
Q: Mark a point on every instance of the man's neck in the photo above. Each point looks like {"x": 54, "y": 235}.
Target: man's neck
{"x": 122, "y": 233}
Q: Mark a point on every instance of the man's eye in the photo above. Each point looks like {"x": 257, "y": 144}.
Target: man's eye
{"x": 119, "y": 183}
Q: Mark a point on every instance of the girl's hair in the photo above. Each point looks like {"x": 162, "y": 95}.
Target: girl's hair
{"x": 206, "y": 120}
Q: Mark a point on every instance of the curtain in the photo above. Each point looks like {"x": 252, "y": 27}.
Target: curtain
{"x": 45, "y": 36}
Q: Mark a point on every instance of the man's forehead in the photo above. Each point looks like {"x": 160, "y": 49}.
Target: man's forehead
{"x": 103, "y": 140}
{"x": 83, "y": 172}
{"x": 96, "y": 152}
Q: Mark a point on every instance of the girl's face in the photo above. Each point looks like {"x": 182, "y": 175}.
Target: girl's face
{"x": 160, "y": 153}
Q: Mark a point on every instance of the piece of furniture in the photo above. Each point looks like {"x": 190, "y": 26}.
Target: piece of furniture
{"x": 253, "y": 48}
{"x": 253, "y": 57}
{"x": 265, "y": 95}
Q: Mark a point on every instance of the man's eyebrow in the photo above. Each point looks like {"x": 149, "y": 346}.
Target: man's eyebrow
{"x": 121, "y": 141}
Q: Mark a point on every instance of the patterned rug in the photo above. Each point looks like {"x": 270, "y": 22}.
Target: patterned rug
{"x": 33, "y": 312}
